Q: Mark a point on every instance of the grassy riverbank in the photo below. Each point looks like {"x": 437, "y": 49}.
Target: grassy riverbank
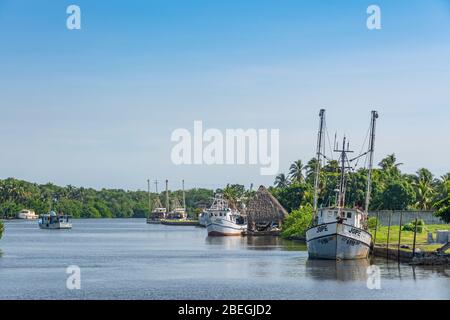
{"x": 407, "y": 237}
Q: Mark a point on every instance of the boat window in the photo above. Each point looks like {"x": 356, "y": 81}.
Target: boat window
{"x": 349, "y": 215}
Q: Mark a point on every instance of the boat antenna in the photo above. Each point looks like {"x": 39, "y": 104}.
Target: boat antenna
{"x": 319, "y": 158}
{"x": 371, "y": 151}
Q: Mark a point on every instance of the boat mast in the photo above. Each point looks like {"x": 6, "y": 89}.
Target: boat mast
{"x": 184, "y": 197}
{"x": 167, "y": 196}
{"x": 342, "y": 182}
{"x": 319, "y": 158}
{"x": 149, "y": 200}
{"x": 371, "y": 151}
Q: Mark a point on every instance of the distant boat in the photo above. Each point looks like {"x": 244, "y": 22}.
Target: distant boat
{"x": 54, "y": 221}
{"x": 178, "y": 212}
{"x": 158, "y": 213}
{"x": 178, "y": 216}
{"x": 339, "y": 232}
{"x": 27, "y": 215}
{"x": 222, "y": 220}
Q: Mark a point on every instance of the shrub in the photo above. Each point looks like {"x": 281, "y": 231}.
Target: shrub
{"x": 373, "y": 222}
{"x": 298, "y": 222}
{"x": 411, "y": 226}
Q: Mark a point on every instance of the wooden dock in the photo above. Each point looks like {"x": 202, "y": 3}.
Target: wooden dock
{"x": 179, "y": 222}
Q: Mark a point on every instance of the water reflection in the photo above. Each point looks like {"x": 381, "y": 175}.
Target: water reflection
{"x": 226, "y": 242}
{"x": 256, "y": 243}
{"x": 343, "y": 270}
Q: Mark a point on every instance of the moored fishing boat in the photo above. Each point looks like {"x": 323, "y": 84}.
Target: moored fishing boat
{"x": 222, "y": 220}
{"x": 340, "y": 232}
{"x": 158, "y": 213}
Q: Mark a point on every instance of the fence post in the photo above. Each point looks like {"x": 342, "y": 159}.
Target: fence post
{"x": 399, "y": 234}
{"x": 376, "y": 227}
{"x": 388, "y": 235}
{"x": 415, "y": 233}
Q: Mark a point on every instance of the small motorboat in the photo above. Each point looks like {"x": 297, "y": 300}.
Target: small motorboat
{"x": 55, "y": 221}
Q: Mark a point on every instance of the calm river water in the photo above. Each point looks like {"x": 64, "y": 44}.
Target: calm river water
{"x": 128, "y": 259}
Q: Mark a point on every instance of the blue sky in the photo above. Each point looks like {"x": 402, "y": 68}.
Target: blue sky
{"x": 96, "y": 107}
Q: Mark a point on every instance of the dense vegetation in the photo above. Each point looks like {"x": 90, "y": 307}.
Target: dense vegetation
{"x": 1, "y": 229}
{"x": 391, "y": 189}
{"x": 16, "y": 195}
{"x": 298, "y": 222}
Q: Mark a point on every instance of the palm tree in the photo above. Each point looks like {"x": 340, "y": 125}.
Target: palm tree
{"x": 390, "y": 166}
{"x": 423, "y": 183}
{"x": 332, "y": 166}
{"x": 424, "y": 195}
{"x": 296, "y": 171}
{"x": 281, "y": 181}
{"x": 310, "y": 168}
{"x": 424, "y": 175}
{"x": 443, "y": 184}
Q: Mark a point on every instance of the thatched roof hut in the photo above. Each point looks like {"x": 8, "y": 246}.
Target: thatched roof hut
{"x": 263, "y": 210}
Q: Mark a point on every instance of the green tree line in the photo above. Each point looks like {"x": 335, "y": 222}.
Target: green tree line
{"x": 16, "y": 195}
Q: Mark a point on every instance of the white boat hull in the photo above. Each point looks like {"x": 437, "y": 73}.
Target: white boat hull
{"x": 222, "y": 227}
{"x": 338, "y": 241}
{"x": 57, "y": 225}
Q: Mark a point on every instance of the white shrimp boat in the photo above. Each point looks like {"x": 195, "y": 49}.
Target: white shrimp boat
{"x": 339, "y": 232}
{"x": 158, "y": 213}
{"x": 54, "y": 221}
{"x": 222, "y": 220}
{"x": 335, "y": 237}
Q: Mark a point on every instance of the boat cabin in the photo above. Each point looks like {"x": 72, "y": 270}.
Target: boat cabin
{"x": 158, "y": 213}
{"x": 53, "y": 218}
{"x": 353, "y": 217}
{"x": 228, "y": 214}
{"x": 177, "y": 214}
{"x": 55, "y": 221}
